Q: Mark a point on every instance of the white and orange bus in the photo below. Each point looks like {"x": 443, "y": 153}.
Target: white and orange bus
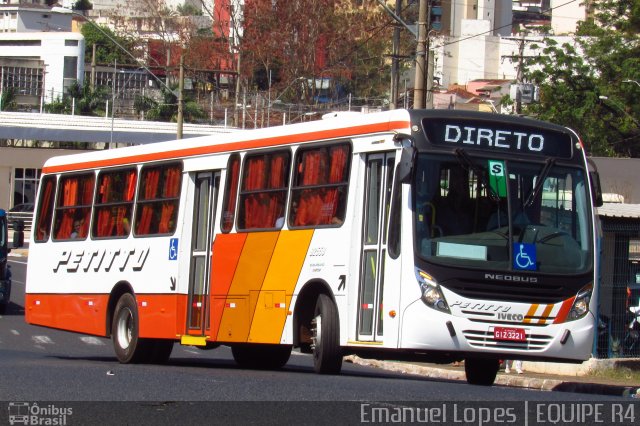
{"x": 414, "y": 235}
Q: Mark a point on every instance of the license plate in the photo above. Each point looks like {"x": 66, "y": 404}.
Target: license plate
{"x": 510, "y": 334}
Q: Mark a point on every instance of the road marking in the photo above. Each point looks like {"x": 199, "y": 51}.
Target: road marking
{"x": 15, "y": 332}
{"x": 192, "y": 351}
{"x": 90, "y": 340}
{"x": 15, "y": 261}
{"x": 45, "y": 340}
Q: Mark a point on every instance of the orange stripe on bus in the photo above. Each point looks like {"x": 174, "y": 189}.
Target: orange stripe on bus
{"x": 226, "y": 255}
{"x": 87, "y": 313}
{"x": 231, "y": 146}
{"x": 530, "y": 313}
{"x": 284, "y": 270}
{"x": 247, "y": 281}
{"x": 545, "y": 314}
{"x": 564, "y": 311}
{"x": 83, "y": 313}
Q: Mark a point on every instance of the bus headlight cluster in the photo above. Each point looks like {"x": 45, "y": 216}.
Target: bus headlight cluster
{"x": 431, "y": 293}
{"x": 581, "y": 304}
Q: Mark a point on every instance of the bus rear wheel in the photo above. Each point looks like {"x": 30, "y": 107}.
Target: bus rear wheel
{"x": 481, "y": 371}
{"x": 128, "y": 346}
{"x": 325, "y": 332}
{"x": 265, "y": 357}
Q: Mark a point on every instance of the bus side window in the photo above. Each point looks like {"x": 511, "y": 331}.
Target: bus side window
{"x": 114, "y": 203}
{"x": 264, "y": 190}
{"x": 73, "y": 209}
{"x": 158, "y": 199}
{"x": 320, "y": 186}
{"x": 231, "y": 193}
{"x": 45, "y": 209}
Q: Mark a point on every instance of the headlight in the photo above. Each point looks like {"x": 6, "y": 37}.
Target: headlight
{"x": 431, "y": 294}
{"x": 581, "y": 304}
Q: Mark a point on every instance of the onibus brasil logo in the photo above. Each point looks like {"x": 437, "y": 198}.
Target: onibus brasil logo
{"x": 26, "y": 413}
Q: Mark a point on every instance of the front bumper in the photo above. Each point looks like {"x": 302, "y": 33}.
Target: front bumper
{"x": 427, "y": 329}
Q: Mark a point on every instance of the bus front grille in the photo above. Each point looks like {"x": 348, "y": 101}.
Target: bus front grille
{"x": 485, "y": 339}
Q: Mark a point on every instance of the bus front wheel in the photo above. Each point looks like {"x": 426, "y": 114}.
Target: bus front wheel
{"x": 481, "y": 371}
{"x": 325, "y": 332}
{"x": 128, "y": 346}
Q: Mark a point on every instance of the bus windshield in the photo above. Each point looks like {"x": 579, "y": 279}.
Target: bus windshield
{"x": 502, "y": 215}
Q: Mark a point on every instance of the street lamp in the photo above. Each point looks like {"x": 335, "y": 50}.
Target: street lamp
{"x": 64, "y": 10}
{"x": 631, "y": 81}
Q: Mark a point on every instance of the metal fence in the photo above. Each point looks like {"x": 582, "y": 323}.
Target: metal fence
{"x": 618, "y": 327}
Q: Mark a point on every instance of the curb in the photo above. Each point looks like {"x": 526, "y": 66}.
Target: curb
{"x": 544, "y": 384}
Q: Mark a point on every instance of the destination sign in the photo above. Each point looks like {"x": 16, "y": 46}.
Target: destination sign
{"x": 498, "y": 136}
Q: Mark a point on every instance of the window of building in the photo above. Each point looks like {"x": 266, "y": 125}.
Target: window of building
{"x": 73, "y": 209}
{"x": 25, "y": 184}
{"x": 264, "y": 190}
{"x": 114, "y": 203}
{"x": 319, "y": 191}
{"x": 158, "y": 199}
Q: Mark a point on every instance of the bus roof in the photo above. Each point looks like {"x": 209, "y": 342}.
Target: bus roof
{"x": 338, "y": 127}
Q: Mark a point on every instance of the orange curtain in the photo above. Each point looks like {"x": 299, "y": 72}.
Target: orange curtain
{"x": 254, "y": 203}
{"x": 164, "y": 225}
{"x": 336, "y": 175}
{"x": 131, "y": 186}
{"x": 232, "y": 191}
{"x": 44, "y": 218}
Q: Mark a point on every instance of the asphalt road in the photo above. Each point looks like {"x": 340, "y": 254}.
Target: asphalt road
{"x": 40, "y": 364}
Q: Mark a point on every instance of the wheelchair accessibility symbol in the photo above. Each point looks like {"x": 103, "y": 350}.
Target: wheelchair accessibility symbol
{"x": 524, "y": 256}
{"x": 173, "y": 249}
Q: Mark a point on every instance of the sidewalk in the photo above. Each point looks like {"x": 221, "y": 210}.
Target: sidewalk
{"x": 529, "y": 379}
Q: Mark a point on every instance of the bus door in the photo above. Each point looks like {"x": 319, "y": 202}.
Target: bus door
{"x": 377, "y": 198}
{"x": 204, "y": 209}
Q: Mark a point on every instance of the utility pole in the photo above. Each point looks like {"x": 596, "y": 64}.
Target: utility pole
{"x": 395, "y": 60}
{"x": 93, "y": 67}
{"x": 180, "y": 118}
{"x": 421, "y": 52}
{"x": 519, "y": 70}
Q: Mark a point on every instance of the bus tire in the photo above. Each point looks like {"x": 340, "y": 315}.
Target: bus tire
{"x": 325, "y": 331}
{"x": 128, "y": 346}
{"x": 481, "y": 371}
{"x": 264, "y": 357}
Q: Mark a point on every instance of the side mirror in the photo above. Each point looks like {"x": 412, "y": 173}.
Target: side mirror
{"x": 596, "y": 188}
{"x": 404, "y": 171}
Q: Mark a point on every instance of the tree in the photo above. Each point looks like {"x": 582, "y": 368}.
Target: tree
{"x": 107, "y": 52}
{"x": 167, "y": 110}
{"x": 590, "y": 84}
{"x": 88, "y": 101}
{"x": 8, "y": 100}
{"x": 315, "y": 39}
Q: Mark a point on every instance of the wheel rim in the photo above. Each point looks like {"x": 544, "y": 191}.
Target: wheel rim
{"x": 316, "y": 332}
{"x": 124, "y": 330}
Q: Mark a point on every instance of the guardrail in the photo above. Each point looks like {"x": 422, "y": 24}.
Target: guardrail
{"x": 26, "y": 217}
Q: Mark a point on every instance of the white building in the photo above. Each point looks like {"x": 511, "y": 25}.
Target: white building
{"x": 475, "y": 49}
{"x": 39, "y": 56}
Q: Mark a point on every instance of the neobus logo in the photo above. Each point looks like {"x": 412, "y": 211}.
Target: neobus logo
{"x": 103, "y": 259}
{"x": 512, "y": 278}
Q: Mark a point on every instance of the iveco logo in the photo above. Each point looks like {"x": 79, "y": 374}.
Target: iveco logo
{"x": 511, "y": 317}
{"x": 512, "y": 278}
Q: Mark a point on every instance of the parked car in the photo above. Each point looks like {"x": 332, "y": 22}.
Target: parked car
{"x": 23, "y": 212}
{"x": 5, "y": 248}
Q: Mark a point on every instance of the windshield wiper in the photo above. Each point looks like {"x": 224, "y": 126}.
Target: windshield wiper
{"x": 467, "y": 163}
{"x": 540, "y": 181}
